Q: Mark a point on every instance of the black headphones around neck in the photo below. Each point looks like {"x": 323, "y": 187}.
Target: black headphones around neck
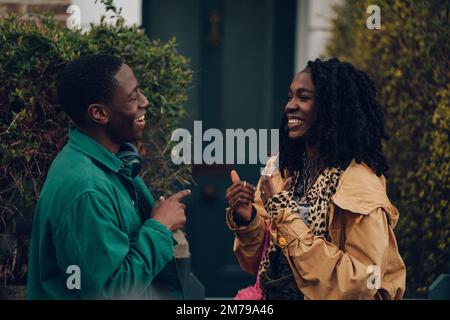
{"x": 128, "y": 153}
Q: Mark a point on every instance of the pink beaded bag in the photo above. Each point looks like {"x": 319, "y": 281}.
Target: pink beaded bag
{"x": 254, "y": 292}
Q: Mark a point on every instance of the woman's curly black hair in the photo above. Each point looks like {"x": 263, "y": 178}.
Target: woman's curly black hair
{"x": 350, "y": 121}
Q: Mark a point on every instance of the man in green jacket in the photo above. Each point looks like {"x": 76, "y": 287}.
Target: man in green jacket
{"x": 97, "y": 232}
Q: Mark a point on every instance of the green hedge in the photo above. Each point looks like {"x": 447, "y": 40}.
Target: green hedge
{"x": 33, "y": 128}
{"x": 409, "y": 60}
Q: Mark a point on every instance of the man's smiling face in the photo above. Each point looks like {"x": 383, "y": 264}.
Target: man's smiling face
{"x": 127, "y": 110}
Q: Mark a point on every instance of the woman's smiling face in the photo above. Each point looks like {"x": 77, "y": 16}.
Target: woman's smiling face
{"x": 128, "y": 108}
{"x": 300, "y": 110}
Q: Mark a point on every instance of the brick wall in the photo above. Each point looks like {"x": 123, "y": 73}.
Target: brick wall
{"x": 26, "y": 7}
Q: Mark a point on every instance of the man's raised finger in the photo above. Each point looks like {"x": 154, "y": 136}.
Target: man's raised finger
{"x": 180, "y": 195}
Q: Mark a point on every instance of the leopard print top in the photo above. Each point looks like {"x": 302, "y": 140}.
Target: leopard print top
{"x": 312, "y": 204}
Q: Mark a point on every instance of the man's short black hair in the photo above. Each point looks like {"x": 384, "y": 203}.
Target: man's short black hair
{"x": 87, "y": 80}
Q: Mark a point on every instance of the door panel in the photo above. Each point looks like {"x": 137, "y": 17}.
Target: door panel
{"x": 247, "y": 81}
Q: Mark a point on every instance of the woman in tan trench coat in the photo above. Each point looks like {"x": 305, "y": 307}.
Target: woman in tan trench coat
{"x": 322, "y": 201}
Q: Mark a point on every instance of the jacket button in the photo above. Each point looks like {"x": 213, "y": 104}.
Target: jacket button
{"x": 282, "y": 241}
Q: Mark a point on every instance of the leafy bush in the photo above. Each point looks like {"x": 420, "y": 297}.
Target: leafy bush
{"x": 409, "y": 60}
{"x": 33, "y": 128}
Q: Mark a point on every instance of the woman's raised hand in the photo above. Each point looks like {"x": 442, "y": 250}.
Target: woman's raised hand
{"x": 241, "y": 196}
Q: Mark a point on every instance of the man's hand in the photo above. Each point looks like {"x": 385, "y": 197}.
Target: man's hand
{"x": 240, "y": 196}
{"x": 170, "y": 211}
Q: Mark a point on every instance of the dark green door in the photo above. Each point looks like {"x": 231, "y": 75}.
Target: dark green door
{"x": 242, "y": 53}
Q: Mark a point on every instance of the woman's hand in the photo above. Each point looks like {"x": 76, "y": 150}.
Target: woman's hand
{"x": 241, "y": 196}
{"x": 268, "y": 190}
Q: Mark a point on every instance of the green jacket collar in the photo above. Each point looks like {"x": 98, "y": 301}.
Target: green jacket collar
{"x": 94, "y": 150}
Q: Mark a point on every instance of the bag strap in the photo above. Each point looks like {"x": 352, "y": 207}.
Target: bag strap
{"x": 265, "y": 244}
{"x": 266, "y": 240}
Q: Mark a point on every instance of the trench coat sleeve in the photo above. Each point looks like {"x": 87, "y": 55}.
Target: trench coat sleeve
{"x": 249, "y": 239}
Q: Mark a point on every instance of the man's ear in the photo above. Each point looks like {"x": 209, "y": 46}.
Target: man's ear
{"x": 98, "y": 113}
